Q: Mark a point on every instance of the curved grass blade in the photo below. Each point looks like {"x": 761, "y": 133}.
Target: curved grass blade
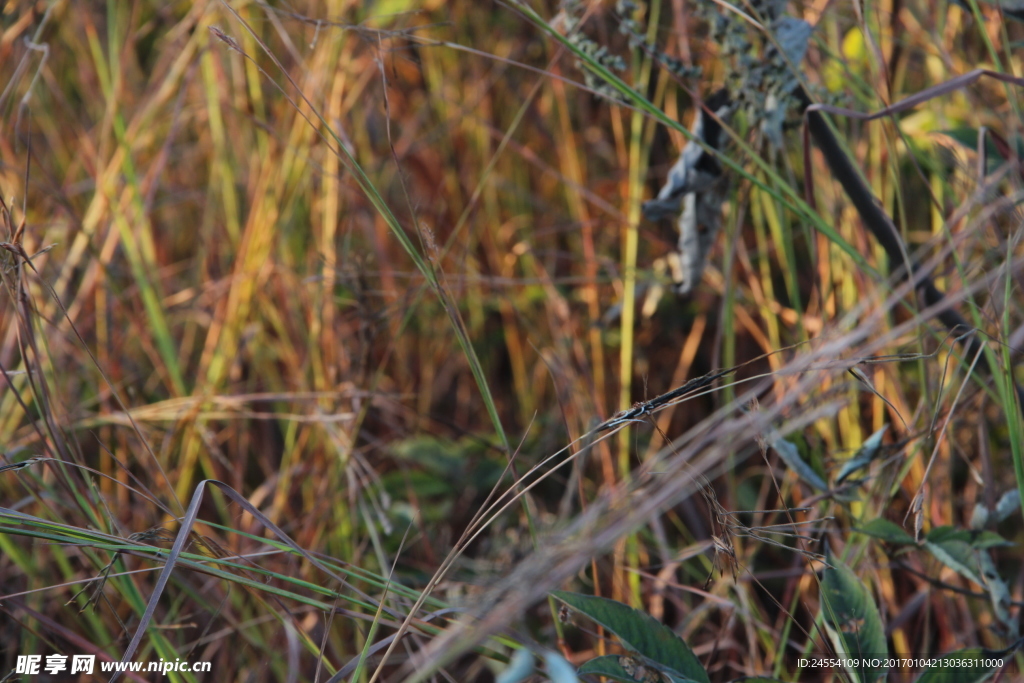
{"x": 423, "y": 261}
{"x": 184, "y": 534}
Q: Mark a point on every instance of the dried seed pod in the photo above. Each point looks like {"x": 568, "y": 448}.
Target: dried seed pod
{"x": 695, "y": 182}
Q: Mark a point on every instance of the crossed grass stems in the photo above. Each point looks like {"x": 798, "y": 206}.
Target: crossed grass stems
{"x": 726, "y": 528}
{"x": 521, "y": 591}
{"x": 875, "y": 220}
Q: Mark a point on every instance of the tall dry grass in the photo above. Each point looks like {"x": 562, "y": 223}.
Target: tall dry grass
{"x": 381, "y": 271}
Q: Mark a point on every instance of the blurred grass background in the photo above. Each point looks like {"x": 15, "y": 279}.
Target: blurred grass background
{"x": 250, "y": 304}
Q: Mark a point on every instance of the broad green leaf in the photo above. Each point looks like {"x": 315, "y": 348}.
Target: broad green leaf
{"x": 624, "y": 668}
{"x": 607, "y": 666}
{"x": 438, "y": 456}
{"x": 958, "y": 555}
{"x": 890, "y": 532}
{"x": 639, "y": 632}
{"x": 988, "y": 539}
{"x": 947, "y": 533}
{"x": 962, "y": 550}
{"x": 851, "y": 619}
{"x": 975, "y": 538}
{"x": 972, "y": 665}
{"x": 968, "y": 137}
{"x": 787, "y": 450}
{"x": 864, "y": 455}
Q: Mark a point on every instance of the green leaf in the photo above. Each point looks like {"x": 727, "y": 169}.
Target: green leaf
{"x": 975, "y": 538}
{"x": 440, "y": 456}
{"x": 947, "y": 533}
{"x": 968, "y": 137}
{"x": 966, "y": 666}
{"x": 988, "y": 539}
{"x": 864, "y": 455}
{"x": 890, "y": 532}
{"x": 851, "y": 619}
{"x": 607, "y": 666}
{"x": 401, "y": 483}
{"x": 959, "y": 556}
{"x": 641, "y": 633}
{"x": 623, "y": 668}
{"x": 791, "y": 456}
